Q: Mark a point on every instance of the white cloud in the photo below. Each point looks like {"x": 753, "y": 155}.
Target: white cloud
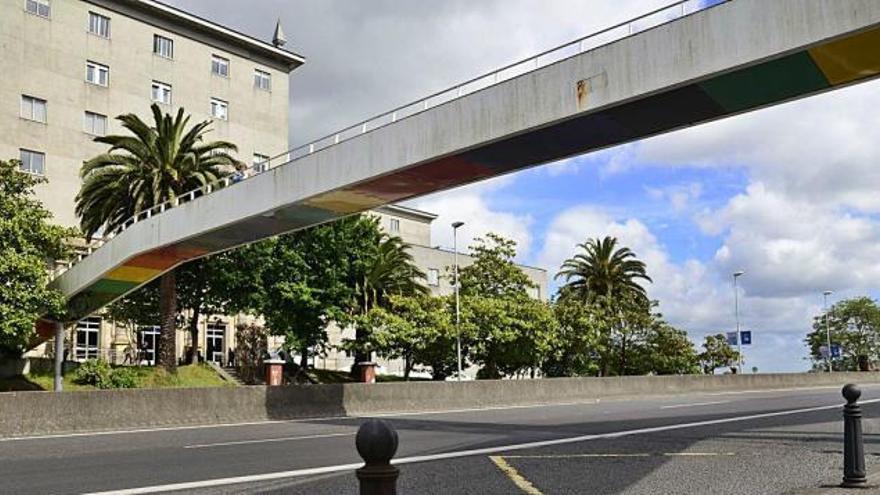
{"x": 469, "y": 205}
{"x": 695, "y": 295}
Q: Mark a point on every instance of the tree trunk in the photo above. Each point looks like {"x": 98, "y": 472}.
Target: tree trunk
{"x": 194, "y": 333}
{"x": 407, "y": 366}
{"x": 304, "y": 359}
{"x": 167, "y": 352}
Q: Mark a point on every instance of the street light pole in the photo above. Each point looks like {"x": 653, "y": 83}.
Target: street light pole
{"x": 827, "y": 329}
{"x": 736, "y": 275}
{"x": 455, "y": 226}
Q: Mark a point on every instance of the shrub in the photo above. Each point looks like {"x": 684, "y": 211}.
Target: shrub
{"x": 95, "y": 372}
{"x": 99, "y": 374}
{"x": 123, "y": 378}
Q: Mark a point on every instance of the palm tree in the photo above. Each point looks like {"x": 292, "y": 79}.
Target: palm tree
{"x": 607, "y": 274}
{"x": 152, "y": 165}
{"x": 603, "y": 271}
{"x": 390, "y": 271}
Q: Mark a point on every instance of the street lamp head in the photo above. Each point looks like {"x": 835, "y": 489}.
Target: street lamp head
{"x": 828, "y": 293}
{"x": 456, "y": 225}
{"x": 738, "y": 273}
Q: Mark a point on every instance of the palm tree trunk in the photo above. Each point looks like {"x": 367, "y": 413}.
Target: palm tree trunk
{"x": 194, "y": 333}
{"x": 167, "y": 352}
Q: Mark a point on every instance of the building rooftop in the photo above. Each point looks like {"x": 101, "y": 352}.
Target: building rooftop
{"x": 394, "y": 209}
{"x": 198, "y": 24}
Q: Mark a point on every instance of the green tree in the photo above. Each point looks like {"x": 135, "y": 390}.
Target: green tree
{"x": 507, "y": 336}
{"x": 855, "y": 326}
{"x": 717, "y": 353}
{"x": 503, "y": 330}
{"x": 578, "y": 343}
{"x": 29, "y": 244}
{"x": 603, "y": 270}
{"x": 493, "y": 272}
{"x": 417, "y": 329}
{"x": 666, "y": 351}
{"x": 311, "y": 277}
{"x": 152, "y": 165}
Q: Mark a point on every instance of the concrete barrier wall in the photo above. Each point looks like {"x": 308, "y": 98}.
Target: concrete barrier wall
{"x": 35, "y": 413}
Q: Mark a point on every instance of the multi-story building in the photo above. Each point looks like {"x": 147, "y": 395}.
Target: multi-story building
{"x": 71, "y": 66}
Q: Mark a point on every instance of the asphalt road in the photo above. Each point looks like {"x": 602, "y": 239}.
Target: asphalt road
{"x": 783, "y": 441}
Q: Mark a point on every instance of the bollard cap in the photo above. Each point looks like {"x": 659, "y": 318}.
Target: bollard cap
{"x": 376, "y": 441}
{"x": 851, "y": 392}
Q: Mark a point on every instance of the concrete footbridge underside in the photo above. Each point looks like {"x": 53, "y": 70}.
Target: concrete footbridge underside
{"x": 734, "y": 57}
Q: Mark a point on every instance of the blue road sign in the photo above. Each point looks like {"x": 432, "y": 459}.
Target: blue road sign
{"x": 746, "y": 337}
{"x": 835, "y": 351}
{"x": 731, "y": 338}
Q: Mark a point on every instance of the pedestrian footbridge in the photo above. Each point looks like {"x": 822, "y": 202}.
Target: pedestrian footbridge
{"x": 690, "y": 63}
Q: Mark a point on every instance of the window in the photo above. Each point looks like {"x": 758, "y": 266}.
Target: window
{"x": 161, "y": 93}
{"x": 162, "y": 46}
{"x": 87, "y": 331}
{"x": 433, "y": 277}
{"x": 219, "y": 109}
{"x": 219, "y": 66}
{"x": 262, "y": 80}
{"x": 261, "y": 163}
{"x": 394, "y": 225}
{"x": 33, "y": 109}
{"x": 99, "y": 25}
{"x": 37, "y": 7}
{"x": 32, "y": 162}
{"x": 97, "y": 74}
{"x": 95, "y": 123}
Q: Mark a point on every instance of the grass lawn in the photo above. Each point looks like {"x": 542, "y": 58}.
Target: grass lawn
{"x": 192, "y": 376}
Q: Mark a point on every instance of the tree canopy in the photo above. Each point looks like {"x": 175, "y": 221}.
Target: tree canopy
{"x": 855, "y": 326}
{"x": 29, "y": 244}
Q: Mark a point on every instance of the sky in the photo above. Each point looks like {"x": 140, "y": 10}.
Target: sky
{"x": 788, "y": 194}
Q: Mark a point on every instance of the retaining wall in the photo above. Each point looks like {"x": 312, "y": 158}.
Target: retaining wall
{"x": 31, "y": 413}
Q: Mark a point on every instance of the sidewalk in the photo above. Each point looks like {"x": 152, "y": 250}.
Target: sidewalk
{"x": 873, "y": 486}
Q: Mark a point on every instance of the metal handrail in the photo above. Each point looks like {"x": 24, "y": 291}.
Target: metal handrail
{"x": 669, "y": 13}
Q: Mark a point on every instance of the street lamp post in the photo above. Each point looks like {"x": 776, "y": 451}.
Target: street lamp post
{"x": 827, "y": 329}
{"x": 455, "y": 226}
{"x": 736, "y": 275}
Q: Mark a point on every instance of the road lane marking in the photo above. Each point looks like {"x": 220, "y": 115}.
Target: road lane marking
{"x": 192, "y": 485}
{"x": 270, "y": 440}
{"x": 695, "y": 404}
{"x": 523, "y": 484}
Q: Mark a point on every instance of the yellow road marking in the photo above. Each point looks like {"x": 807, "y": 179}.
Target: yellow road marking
{"x": 517, "y": 479}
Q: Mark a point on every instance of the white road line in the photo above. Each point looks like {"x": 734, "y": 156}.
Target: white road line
{"x": 461, "y": 453}
{"x": 695, "y": 404}
{"x": 270, "y": 440}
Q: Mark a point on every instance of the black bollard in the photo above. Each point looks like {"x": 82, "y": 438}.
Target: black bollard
{"x": 853, "y": 446}
{"x": 376, "y": 442}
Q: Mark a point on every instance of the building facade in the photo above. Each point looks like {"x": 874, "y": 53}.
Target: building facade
{"x": 71, "y": 66}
